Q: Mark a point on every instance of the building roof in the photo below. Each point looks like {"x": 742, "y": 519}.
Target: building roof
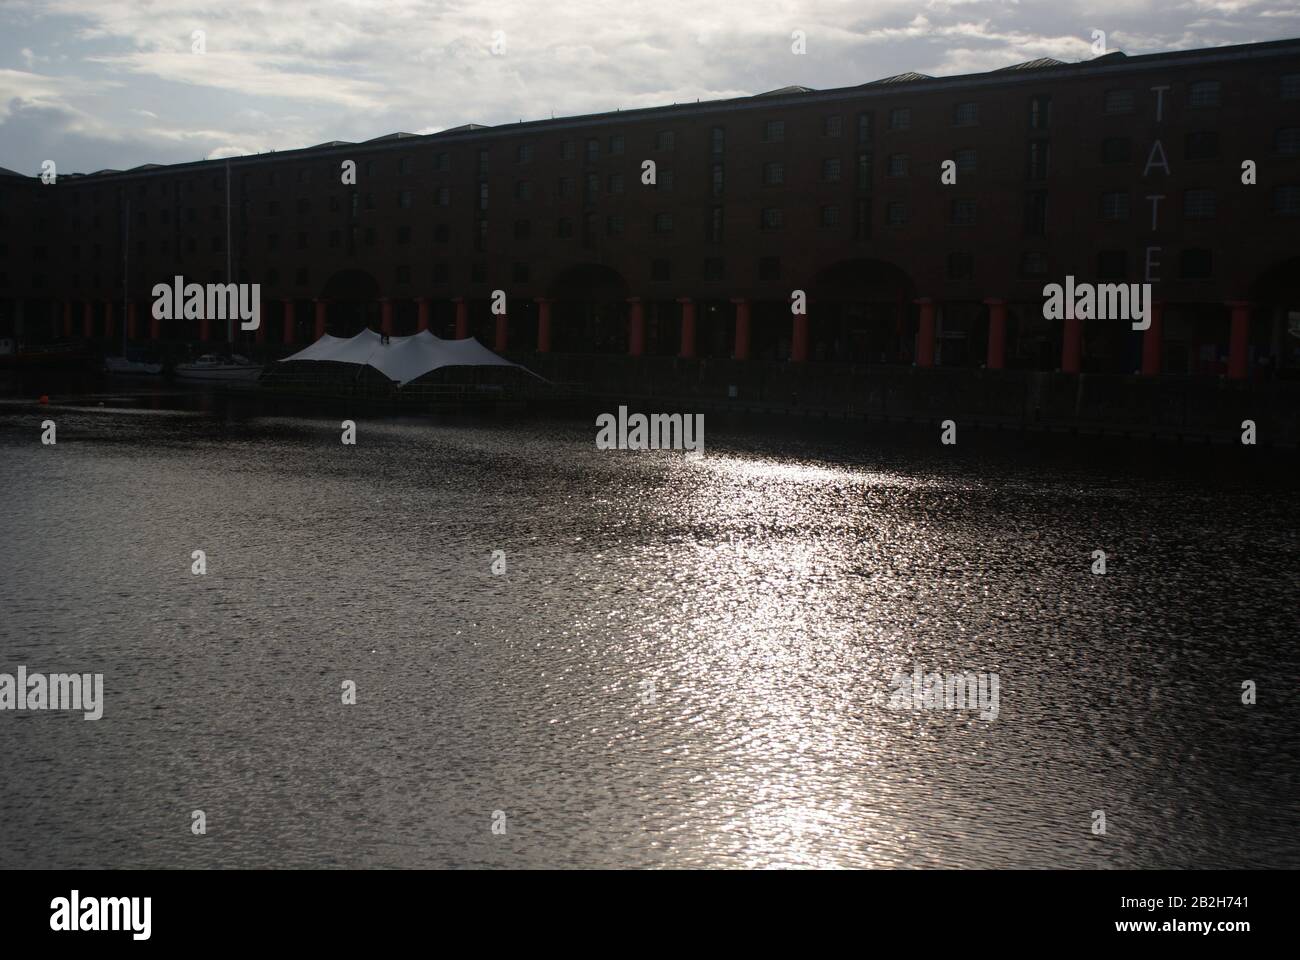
{"x": 917, "y": 82}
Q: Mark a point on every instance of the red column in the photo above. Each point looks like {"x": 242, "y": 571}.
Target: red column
{"x": 1152, "y": 342}
{"x": 635, "y": 327}
{"x": 322, "y": 307}
{"x": 543, "y": 325}
{"x": 799, "y": 338}
{"x": 502, "y": 337}
{"x": 1239, "y": 339}
{"x": 997, "y": 333}
{"x": 132, "y": 320}
{"x": 87, "y": 319}
{"x": 108, "y": 319}
{"x": 290, "y": 322}
{"x": 742, "y": 328}
{"x": 688, "y": 327}
{"x": 67, "y": 318}
{"x": 1072, "y": 345}
{"x": 422, "y": 306}
{"x": 386, "y": 316}
{"x": 462, "y": 317}
{"x": 925, "y": 334}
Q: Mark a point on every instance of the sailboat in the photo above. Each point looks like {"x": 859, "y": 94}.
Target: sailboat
{"x": 125, "y": 365}
{"x": 212, "y": 367}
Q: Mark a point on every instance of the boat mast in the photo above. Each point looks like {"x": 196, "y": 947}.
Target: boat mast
{"x": 230, "y": 320}
{"x": 126, "y": 263}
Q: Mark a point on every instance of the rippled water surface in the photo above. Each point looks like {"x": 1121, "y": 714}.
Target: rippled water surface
{"x": 687, "y": 662}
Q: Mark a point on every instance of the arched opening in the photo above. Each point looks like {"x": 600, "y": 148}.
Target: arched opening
{"x": 861, "y": 312}
{"x": 1275, "y": 327}
{"x": 590, "y": 310}
{"x": 352, "y": 303}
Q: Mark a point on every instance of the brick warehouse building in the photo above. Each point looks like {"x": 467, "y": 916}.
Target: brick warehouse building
{"x": 836, "y": 193}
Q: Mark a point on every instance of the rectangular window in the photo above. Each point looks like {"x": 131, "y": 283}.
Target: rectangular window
{"x": 568, "y": 150}
{"x": 1198, "y": 204}
{"x": 900, "y": 118}
{"x": 405, "y": 199}
{"x": 524, "y": 153}
{"x": 966, "y": 115}
{"x": 864, "y": 171}
{"x": 1038, "y": 159}
{"x": 1286, "y": 200}
{"x": 483, "y": 195}
{"x": 714, "y": 269}
{"x": 772, "y": 218}
{"x": 1114, "y": 205}
{"x": 1033, "y": 264}
{"x": 1118, "y": 101}
{"x": 593, "y": 150}
{"x": 963, "y": 212}
{"x": 717, "y": 140}
{"x": 665, "y": 180}
{"x": 616, "y": 145}
{"x": 773, "y": 174}
{"x": 565, "y": 188}
{"x": 482, "y": 162}
{"x": 663, "y": 223}
{"x": 1202, "y": 145}
{"x": 1290, "y": 86}
{"x": 830, "y": 216}
{"x": 961, "y": 266}
{"x": 966, "y": 161}
{"x": 1036, "y": 213}
{"x": 866, "y": 127}
{"x": 714, "y": 234}
{"x": 593, "y": 187}
{"x": 441, "y": 162}
{"x": 862, "y": 219}
{"x": 444, "y": 196}
{"x": 717, "y": 180}
{"x": 1040, "y": 112}
{"x": 898, "y": 164}
{"x": 831, "y": 170}
{"x": 1203, "y": 93}
{"x": 404, "y": 165}
{"x": 616, "y": 183}
{"x": 614, "y": 225}
{"x": 523, "y": 190}
{"x": 1116, "y": 150}
{"x": 665, "y": 140}
{"x": 1112, "y": 265}
{"x": 832, "y": 126}
{"x": 1196, "y": 264}
{"x": 896, "y": 213}
{"x": 774, "y": 131}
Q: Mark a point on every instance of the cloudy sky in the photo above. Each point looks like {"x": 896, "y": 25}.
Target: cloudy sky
{"x": 115, "y": 83}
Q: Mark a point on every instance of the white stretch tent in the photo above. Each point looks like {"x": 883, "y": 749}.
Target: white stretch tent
{"x": 402, "y": 359}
